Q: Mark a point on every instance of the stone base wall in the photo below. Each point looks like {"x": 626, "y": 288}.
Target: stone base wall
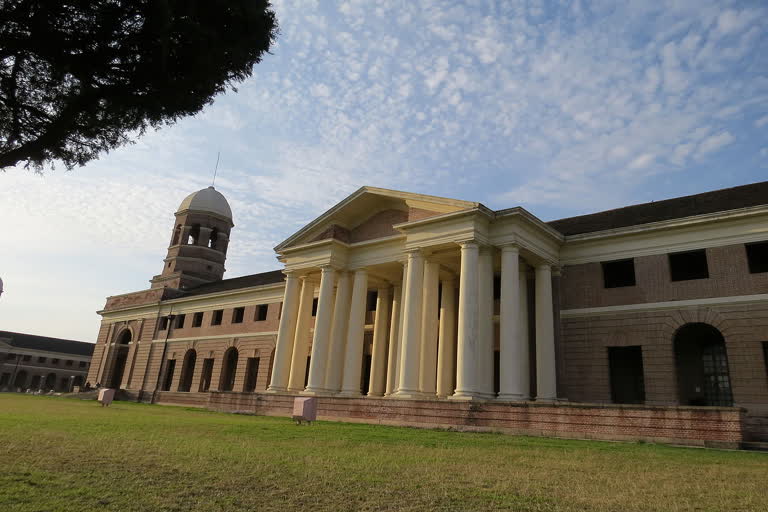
{"x": 696, "y": 426}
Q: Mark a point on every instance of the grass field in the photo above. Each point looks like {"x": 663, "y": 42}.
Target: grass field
{"x": 59, "y": 454}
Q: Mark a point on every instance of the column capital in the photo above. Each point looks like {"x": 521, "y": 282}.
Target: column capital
{"x": 468, "y": 243}
{"x": 327, "y": 268}
{"x": 511, "y": 247}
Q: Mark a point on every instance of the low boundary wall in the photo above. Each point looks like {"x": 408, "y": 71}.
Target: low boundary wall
{"x": 720, "y": 427}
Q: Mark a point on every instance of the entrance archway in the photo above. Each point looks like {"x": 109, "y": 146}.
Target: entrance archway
{"x": 188, "y": 370}
{"x": 701, "y": 362}
{"x": 122, "y": 347}
{"x": 228, "y": 371}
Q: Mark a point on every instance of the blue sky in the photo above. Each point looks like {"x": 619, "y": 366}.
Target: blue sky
{"x": 561, "y": 107}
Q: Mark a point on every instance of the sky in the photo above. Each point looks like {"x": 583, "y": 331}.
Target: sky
{"x": 563, "y": 108}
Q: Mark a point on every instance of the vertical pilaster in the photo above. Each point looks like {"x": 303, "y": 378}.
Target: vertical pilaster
{"x": 410, "y": 354}
{"x": 446, "y": 339}
{"x": 335, "y": 364}
{"x": 467, "y": 343}
{"x": 321, "y": 338}
{"x": 379, "y": 352}
{"x": 429, "y": 328}
{"x": 301, "y": 338}
{"x": 485, "y": 329}
{"x": 286, "y": 332}
{"x": 513, "y": 356}
{"x": 546, "y": 379}
{"x": 394, "y": 340}
{"x": 353, "y": 360}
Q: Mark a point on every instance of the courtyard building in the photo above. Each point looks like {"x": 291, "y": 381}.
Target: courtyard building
{"x": 392, "y": 297}
{"x": 40, "y": 363}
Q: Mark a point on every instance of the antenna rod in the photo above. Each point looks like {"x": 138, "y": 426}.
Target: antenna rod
{"x": 215, "y": 169}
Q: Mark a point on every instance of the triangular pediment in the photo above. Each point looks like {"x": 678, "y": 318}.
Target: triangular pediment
{"x": 370, "y": 213}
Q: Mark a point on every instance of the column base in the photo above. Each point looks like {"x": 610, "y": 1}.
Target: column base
{"x": 277, "y": 389}
{"x": 512, "y": 397}
{"x": 375, "y": 395}
{"x": 405, "y": 394}
{"x": 315, "y": 392}
{"x": 466, "y": 396}
{"x": 350, "y": 394}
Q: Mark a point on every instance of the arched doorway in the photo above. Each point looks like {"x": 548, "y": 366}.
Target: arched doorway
{"x": 702, "y": 366}
{"x": 122, "y": 347}
{"x": 228, "y": 371}
{"x": 188, "y": 370}
{"x": 50, "y": 381}
{"x": 21, "y": 380}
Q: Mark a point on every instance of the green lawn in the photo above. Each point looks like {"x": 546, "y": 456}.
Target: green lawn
{"x": 61, "y": 454}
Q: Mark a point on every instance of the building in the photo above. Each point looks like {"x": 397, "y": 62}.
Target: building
{"x": 30, "y": 362}
{"x": 413, "y": 309}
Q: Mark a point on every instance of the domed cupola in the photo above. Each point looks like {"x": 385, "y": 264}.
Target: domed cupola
{"x": 199, "y": 241}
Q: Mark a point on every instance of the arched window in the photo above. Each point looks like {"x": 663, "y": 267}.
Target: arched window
{"x": 702, "y": 366}
{"x": 125, "y": 337}
{"x": 194, "y": 234}
{"x": 214, "y": 238}
{"x": 229, "y": 369}
{"x": 187, "y": 370}
{"x": 176, "y": 235}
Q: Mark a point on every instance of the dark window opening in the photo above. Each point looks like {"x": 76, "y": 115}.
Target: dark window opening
{"x": 365, "y": 378}
{"x": 229, "y": 369}
{"x": 627, "y": 379}
{"x": 163, "y": 323}
{"x": 125, "y": 337}
{"x": 314, "y": 307}
{"x": 187, "y": 371}
{"x": 251, "y": 374}
{"x": 217, "y": 317}
{"x": 617, "y": 274}
{"x": 701, "y": 363}
{"x": 194, "y": 235}
{"x": 180, "y": 321}
{"x": 54, "y": 361}
{"x": 684, "y": 266}
{"x": 496, "y": 287}
{"x": 371, "y": 299}
{"x": 11, "y": 356}
{"x": 261, "y": 312}
{"x": 757, "y": 256}
{"x": 69, "y": 362}
{"x": 205, "y": 377}
{"x": 237, "y": 315}
{"x": 81, "y": 364}
{"x": 176, "y": 235}
{"x": 213, "y": 238}
{"x": 170, "y": 368}
{"x": 41, "y": 359}
{"x": 26, "y": 358}
{"x": 5, "y": 379}
{"x": 197, "y": 319}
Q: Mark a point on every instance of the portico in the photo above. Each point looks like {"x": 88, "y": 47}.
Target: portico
{"x": 418, "y": 297}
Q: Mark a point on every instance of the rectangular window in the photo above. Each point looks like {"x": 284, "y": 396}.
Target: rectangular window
{"x": 314, "y": 307}
{"x": 180, "y": 321}
{"x": 626, "y": 370}
{"x": 69, "y": 362}
{"x": 54, "y": 361}
{"x": 197, "y": 319}
{"x": 26, "y": 358}
{"x": 617, "y": 274}
{"x": 4, "y": 380}
{"x": 251, "y": 373}
{"x": 163, "y": 323}
{"x": 684, "y": 266}
{"x": 237, "y": 315}
{"x": 371, "y": 298}
{"x": 81, "y": 364}
{"x": 261, "y": 312}
{"x": 11, "y": 356}
{"x": 757, "y": 256}
{"x": 217, "y": 316}
{"x": 205, "y": 377}
{"x": 41, "y": 359}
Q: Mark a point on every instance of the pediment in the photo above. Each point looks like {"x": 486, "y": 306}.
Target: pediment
{"x": 369, "y": 213}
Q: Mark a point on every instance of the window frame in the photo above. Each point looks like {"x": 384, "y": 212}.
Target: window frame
{"x": 672, "y": 255}
{"x": 607, "y": 264}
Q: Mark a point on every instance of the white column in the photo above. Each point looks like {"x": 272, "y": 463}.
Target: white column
{"x": 353, "y": 360}
{"x": 525, "y": 355}
{"x": 485, "y": 329}
{"x": 335, "y": 365}
{"x": 281, "y": 367}
{"x": 394, "y": 339}
{"x": 446, "y": 339}
{"x": 321, "y": 337}
{"x": 546, "y": 379}
{"x": 410, "y": 353}
{"x": 377, "y": 382}
{"x": 467, "y": 346}
{"x": 512, "y": 354}
{"x": 301, "y": 339}
{"x": 429, "y": 328}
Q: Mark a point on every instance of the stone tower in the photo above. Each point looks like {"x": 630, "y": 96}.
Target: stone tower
{"x": 199, "y": 241}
